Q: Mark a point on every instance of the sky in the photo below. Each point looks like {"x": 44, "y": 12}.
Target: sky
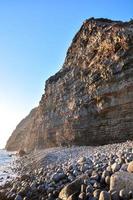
{"x": 34, "y": 38}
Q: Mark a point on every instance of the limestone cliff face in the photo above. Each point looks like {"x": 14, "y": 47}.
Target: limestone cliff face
{"x": 90, "y": 100}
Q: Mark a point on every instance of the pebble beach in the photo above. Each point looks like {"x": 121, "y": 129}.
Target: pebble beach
{"x": 74, "y": 173}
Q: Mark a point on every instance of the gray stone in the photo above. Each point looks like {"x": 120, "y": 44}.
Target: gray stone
{"x": 81, "y": 160}
{"x": 18, "y": 197}
{"x": 115, "y": 167}
{"x": 123, "y": 194}
{"x": 71, "y": 188}
{"x": 58, "y": 176}
{"x": 89, "y": 188}
{"x": 121, "y": 180}
{"x": 114, "y": 195}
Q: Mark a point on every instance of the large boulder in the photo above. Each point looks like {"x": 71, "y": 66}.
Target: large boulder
{"x": 71, "y": 188}
{"x": 121, "y": 180}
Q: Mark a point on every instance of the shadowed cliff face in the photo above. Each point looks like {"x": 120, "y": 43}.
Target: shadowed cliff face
{"x": 90, "y": 100}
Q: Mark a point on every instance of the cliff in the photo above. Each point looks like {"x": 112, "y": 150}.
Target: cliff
{"x": 90, "y": 100}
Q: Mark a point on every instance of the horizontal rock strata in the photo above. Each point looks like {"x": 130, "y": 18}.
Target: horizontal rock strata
{"x": 90, "y": 100}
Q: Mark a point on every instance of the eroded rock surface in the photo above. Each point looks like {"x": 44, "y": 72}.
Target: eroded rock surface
{"x": 90, "y": 100}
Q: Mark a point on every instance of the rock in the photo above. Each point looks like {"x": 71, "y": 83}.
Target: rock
{"x": 124, "y": 167}
{"x": 58, "y": 176}
{"x": 82, "y": 196}
{"x": 73, "y": 196}
{"x": 115, "y": 167}
{"x": 25, "y": 177}
{"x": 121, "y": 180}
{"x": 123, "y": 194}
{"x": 81, "y": 160}
{"x": 130, "y": 194}
{"x": 107, "y": 180}
{"x": 71, "y": 188}
{"x": 89, "y": 188}
{"x": 96, "y": 193}
{"x": 114, "y": 195}
{"x": 25, "y": 198}
{"x": 104, "y": 196}
{"x": 21, "y": 153}
{"x": 18, "y": 197}
{"x": 130, "y": 167}
{"x": 2, "y": 195}
{"x": 83, "y": 188}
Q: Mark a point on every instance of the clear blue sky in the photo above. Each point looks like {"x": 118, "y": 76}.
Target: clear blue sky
{"x": 34, "y": 37}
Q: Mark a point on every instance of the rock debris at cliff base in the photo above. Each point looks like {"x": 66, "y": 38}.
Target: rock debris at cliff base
{"x": 76, "y": 173}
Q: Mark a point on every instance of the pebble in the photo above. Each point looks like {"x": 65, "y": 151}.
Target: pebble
{"x": 94, "y": 173}
{"x": 104, "y": 196}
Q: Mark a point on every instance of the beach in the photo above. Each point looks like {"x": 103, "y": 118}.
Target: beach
{"x": 83, "y": 172}
{"x": 7, "y": 161}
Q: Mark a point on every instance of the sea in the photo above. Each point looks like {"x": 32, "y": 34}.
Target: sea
{"x": 7, "y": 160}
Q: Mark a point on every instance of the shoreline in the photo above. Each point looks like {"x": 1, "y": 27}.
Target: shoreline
{"x": 45, "y": 174}
{"x": 7, "y": 166}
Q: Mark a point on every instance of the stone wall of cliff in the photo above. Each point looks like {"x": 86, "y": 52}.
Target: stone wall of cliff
{"x": 90, "y": 100}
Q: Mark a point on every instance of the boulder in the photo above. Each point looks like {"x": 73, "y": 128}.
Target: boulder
{"x": 58, "y": 176}
{"x": 71, "y": 188}
{"x": 21, "y": 153}
{"x": 121, "y": 180}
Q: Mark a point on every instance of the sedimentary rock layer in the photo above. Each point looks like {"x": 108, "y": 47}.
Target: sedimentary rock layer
{"x": 90, "y": 100}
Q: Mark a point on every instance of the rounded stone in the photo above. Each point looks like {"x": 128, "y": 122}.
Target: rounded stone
{"x": 96, "y": 193}
{"x": 114, "y": 195}
{"x": 18, "y": 197}
{"x": 130, "y": 167}
{"x": 115, "y": 167}
{"x": 82, "y": 196}
{"x": 123, "y": 194}
{"x": 107, "y": 180}
{"x": 104, "y": 196}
